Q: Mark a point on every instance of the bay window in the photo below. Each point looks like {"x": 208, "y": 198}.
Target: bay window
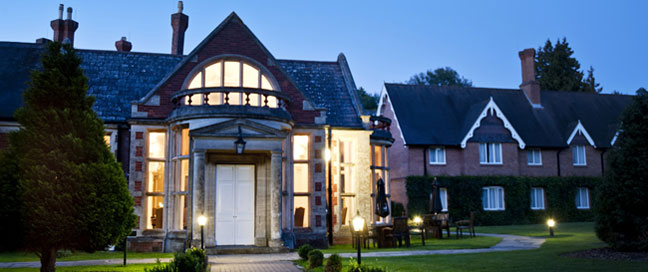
{"x": 180, "y": 189}
{"x": 301, "y": 180}
{"x": 155, "y": 166}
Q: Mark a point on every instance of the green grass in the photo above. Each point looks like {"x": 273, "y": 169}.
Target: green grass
{"x": 94, "y": 268}
{"x": 569, "y": 237}
{"x": 79, "y": 256}
{"x": 430, "y": 244}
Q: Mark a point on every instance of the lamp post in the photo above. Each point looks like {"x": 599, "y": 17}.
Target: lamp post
{"x": 551, "y": 223}
{"x": 358, "y": 226}
{"x": 240, "y": 143}
{"x": 202, "y": 220}
{"x": 418, "y": 221}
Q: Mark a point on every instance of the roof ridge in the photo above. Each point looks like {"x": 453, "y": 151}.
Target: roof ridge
{"x": 130, "y": 52}
{"x": 454, "y": 87}
{"x": 318, "y": 61}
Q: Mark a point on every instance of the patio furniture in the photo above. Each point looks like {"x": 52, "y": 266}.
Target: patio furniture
{"x": 401, "y": 231}
{"x": 384, "y": 235}
{"x": 466, "y": 225}
{"x": 418, "y": 230}
{"x": 369, "y": 234}
{"x": 444, "y": 223}
{"x": 431, "y": 227}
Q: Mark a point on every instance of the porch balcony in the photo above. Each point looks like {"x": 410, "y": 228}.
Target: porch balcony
{"x": 380, "y": 126}
{"x": 230, "y": 102}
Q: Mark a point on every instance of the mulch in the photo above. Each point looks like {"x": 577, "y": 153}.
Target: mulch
{"x": 607, "y": 253}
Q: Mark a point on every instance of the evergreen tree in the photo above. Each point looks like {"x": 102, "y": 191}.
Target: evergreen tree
{"x": 622, "y": 198}
{"x": 74, "y": 194}
{"x": 590, "y": 84}
{"x": 440, "y": 77}
{"x": 10, "y": 206}
{"x": 369, "y": 101}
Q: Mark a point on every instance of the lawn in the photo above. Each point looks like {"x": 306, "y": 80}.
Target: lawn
{"x": 430, "y": 244}
{"x": 94, "y": 268}
{"x": 78, "y": 256}
{"x": 569, "y": 237}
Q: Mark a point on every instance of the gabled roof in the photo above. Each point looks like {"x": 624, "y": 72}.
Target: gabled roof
{"x": 114, "y": 78}
{"x": 324, "y": 83}
{"x": 432, "y": 115}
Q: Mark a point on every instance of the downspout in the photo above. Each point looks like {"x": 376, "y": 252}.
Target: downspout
{"x": 558, "y": 160}
{"x": 602, "y": 163}
{"x": 329, "y": 214}
{"x": 424, "y": 162}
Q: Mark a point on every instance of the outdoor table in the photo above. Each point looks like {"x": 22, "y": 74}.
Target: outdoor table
{"x": 383, "y": 230}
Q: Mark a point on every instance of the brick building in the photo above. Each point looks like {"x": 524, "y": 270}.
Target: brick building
{"x": 274, "y": 153}
{"x": 454, "y": 131}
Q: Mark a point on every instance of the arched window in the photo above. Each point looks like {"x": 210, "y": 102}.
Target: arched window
{"x": 231, "y": 73}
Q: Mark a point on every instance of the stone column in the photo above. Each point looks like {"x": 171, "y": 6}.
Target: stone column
{"x": 198, "y": 194}
{"x": 275, "y": 200}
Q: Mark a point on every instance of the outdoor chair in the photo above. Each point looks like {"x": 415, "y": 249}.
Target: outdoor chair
{"x": 431, "y": 228}
{"x": 401, "y": 231}
{"x": 466, "y": 225}
{"x": 369, "y": 234}
{"x": 444, "y": 223}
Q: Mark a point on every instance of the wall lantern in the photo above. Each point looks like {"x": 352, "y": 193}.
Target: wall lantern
{"x": 240, "y": 143}
{"x": 358, "y": 225}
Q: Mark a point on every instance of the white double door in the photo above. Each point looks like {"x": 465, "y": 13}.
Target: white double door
{"x": 234, "y": 204}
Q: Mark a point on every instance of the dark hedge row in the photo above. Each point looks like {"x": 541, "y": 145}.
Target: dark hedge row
{"x": 465, "y": 192}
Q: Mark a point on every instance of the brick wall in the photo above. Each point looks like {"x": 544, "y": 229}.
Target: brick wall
{"x": 593, "y": 160}
{"x": 398, "y": 157}
{"x": 510, "y": 161}
{"x": 454, "y": 163}
{"x": 232, "y": 39}
{"x": 549, "y": 165}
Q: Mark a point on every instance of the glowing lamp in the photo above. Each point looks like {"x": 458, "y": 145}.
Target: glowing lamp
{"x": 358, "y": 225}
{"x": 551, "y": 223}
{"x": 202, "y": 220}
{"x": 418, "y": 220}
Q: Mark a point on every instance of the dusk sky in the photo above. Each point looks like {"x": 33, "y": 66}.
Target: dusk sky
{"x": 384, "y": 41}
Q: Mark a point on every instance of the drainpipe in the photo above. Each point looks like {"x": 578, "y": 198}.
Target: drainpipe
{"x": 329, "y": 214}
{"x": 424, "y": 162}
{"x": 602, "y": 163}
{"x": 558, "y": 160}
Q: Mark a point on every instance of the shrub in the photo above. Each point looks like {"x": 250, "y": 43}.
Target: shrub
{"x": 333, "y": 264}
{"x": 397, "y": 208}
{"x": 355, "y": 267}
{"x": 315, "y": 258}
{"x": 465, "y": 192}
{"x": 621, "y": 214}
{"x": 304, "y": 250}
{"x": 193, "y": 260}
{"x": 160, "y": 267}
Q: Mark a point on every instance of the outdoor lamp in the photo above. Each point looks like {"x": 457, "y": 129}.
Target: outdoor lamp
{"x": 240, "y": 143}
{"x": 327, "y": 154}
{"x": 417, "y": 220}
{"x": 358, "y": 225}
{"x": 202, "y": 220}
{"x": 551, "y": 223}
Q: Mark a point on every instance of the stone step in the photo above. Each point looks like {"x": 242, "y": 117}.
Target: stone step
{"x": 229, "y": 250}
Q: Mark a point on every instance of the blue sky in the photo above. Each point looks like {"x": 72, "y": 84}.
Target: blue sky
{"x": 384, "y": 41}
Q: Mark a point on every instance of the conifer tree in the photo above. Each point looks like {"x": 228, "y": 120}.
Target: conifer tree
{"x": 445, "y": 76}
{"x": 590, "y": 84}
{"x": 622, "y": 198}
{"x": 556, "y": 69}
{"x": 74, "y": 193}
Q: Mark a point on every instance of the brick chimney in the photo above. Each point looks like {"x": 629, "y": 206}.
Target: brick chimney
{"x": 530, "y": 86}
{"x": 179, "y": 23}
{"x": 64, "y": 29}
{"x": 123, "y": 45}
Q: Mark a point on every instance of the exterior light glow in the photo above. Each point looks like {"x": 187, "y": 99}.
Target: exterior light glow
{"x": 202, "y": 220}
{"x": 417, "y": 220}
{"x": 358, "y": 225}
{"x": 551, "y": 223}
{"x": 327, "y": 154}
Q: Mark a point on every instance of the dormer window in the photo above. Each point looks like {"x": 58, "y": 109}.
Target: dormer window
{"x": 231, "y": 73}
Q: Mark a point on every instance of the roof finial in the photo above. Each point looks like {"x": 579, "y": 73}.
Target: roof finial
{"x": 69, "y": 13}
{"x": 180, "y": 6}
{"x": 60, "y": 11}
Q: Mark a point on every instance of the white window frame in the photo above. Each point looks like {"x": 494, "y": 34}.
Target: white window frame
{"x": 489, "y": 148}
{"x": 531, "y": 155}
{"x": 492, "y": 204}
{"x": 537, "y": 193}
{"x": 443, "y": 192}
{"x": 582, "y": 191}
{"x": 575, "y": 153}
{"x": 439, "y": 155}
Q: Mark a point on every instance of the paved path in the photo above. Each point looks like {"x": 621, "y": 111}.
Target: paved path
{"x": 283, "y": 261}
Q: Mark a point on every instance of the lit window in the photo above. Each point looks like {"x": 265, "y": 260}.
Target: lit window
{"x": 578, "y": 153}
{"x": 490, "y": 153}
{"x": 178, "y": 196}
{"x": 380, "y": 171}
{"x": 213, "y": 75}
{"x": 250, "y": 76}
{"x": 582, "y": 198}
{"x": 437, "y": 155}
{"x": 301, "y": 180}
{"x": 443, "y": 192}
{"x": 107, "y": 140}
{"x": 534, "y": 157}
{"x": 155, "y": 170}
{"x": 493, "y": 198}
{"x": 196, "y": 82}
{"x": 537, "y": 198}
{"x": 265, "y": 83}
{"x": 232, "y": 74}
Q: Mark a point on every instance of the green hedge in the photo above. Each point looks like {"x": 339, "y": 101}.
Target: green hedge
{"x": 465, "y": 193}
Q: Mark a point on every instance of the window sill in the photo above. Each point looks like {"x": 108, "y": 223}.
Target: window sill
{"x": 490, "y": 163}
{"x": 580, "y": 165}
{"x": 437, "y": 163}
{"x": 494, "y": 210}
{"x": 537, "y": 209}
{"x": 583, "y": 208}
{"x": 534, "y": 165}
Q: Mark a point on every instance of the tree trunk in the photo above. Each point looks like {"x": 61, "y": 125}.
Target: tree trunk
{"x": 48, "y": 260}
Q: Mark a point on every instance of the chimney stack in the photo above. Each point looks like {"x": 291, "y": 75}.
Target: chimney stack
{"x": 123, "y": 45}
{"x": 529, "y": 86}
{"x": 179, "y": 23}
{"x": 64, "y": 29}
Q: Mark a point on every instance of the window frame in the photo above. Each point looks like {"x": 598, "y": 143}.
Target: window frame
{"x": 498, "y": 189}
{"x": 435, "y": 150}
{"x": 384, "y": 171}
{"x": 530, "y": 154}
{"x": 579, "y": 199}
{"x": 148, "y": 159}
{"x": 543, "y": 200}
{"x": 490, "y": 146}
{"x": 176, "y": 193}
{"x": 308, "y": 194}
{"x": 443, "y": 191}
{"x": 575, "y": 154}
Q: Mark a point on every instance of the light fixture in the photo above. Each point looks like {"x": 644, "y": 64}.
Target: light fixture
{"x": 202, "y": 220}
{"x": 327, "y": 154}
{"x": 358, "y": 225}
{"x": 551, "y": 223}
{"x": 417, "y": 220}
{"x": 240, "y": 143}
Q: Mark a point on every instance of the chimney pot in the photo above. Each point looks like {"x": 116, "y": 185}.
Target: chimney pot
{"x": 60, "y": 12}
{"x": 180, "y": 6}
{"x": 69, "y": 13}
{"x": 529, "y": 86}
{"x": 64, "y": 29}
{"x": 123, "y": 45}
